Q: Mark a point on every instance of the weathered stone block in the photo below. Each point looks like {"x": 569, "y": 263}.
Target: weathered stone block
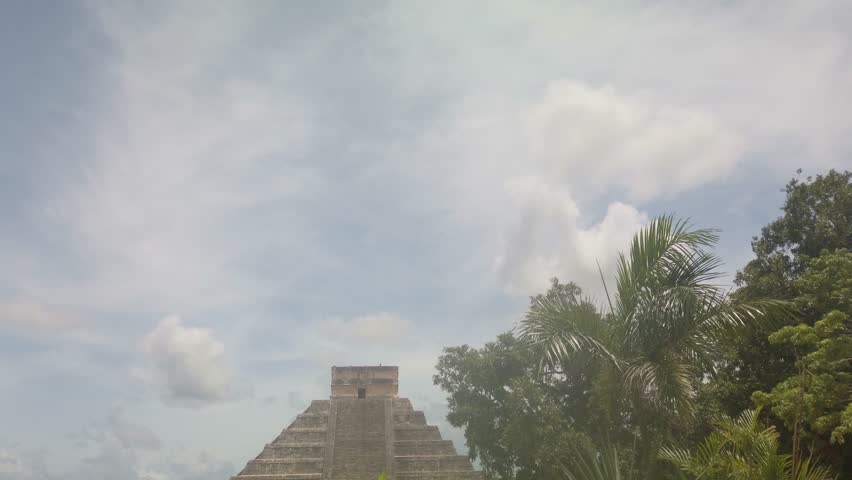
{"x": 424, "y": 447}
{"x": 429, "y": 463}
{"x": 293, "y": 450}
{"x": 311, "y": 420}
{"x": 416, "y": 432}
{"x": 318, "y": 406}
{"x": 283, "y": 465}
{"x": 409, "y": 418}
{"x": 465, "y": 475}
{"x": 302, "y": 435}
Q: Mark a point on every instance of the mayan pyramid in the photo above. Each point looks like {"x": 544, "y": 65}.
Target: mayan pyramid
{"x": 364, "y": 429}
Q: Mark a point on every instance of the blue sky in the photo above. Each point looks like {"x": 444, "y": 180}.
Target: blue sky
{"x": 206, "y": 205}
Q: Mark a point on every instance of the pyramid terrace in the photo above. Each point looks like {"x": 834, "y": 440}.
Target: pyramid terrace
{"x": 363, "y": 429}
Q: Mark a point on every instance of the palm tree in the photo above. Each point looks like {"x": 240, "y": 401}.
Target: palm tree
{"x": 665, "y": 325}
{"x": 742, "y": 449}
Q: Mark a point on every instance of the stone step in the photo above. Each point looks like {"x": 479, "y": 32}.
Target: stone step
{"x": 283, "y": 465}
{"x": 402, "y": 404}
{"x": 310, "y": 420}
{"x": 428, "y": 463}
{"x": 293, "y": 450}
{"x": 318, "y": 406}
{"x": 409, "y": 418}
{"x": 280, "y": 476}
{"x": 302, "y": 435}
{"x": 424, "y": 447}
{"x": 360, "y": 436}
{"x": 416, "y": 432}
{"x": 446, "y": 475}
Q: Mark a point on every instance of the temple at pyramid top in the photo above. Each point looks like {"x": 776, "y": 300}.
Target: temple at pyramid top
{"x": 364, "y": 382}
{"x": 363, "y": 430}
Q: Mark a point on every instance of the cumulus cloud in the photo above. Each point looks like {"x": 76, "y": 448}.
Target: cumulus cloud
{"x": 549, "y": 239}
{"x": 614, "y": 116}
{"x": 591, "y": 139}
{"x": 190, "y": 364}
{"x": 600, "y": 137}
{"x": 537, "y": 170}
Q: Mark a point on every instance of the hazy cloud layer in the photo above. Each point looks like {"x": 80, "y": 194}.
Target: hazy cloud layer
{"x": 382, "y": 329}
{"x": 15, "y": 465}
{"x": 310, "y": 184}
{"x": 30, "y": 316}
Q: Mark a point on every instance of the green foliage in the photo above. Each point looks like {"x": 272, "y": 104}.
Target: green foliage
{"x": 742, "y": 448}
{"x": 826, "y": 284}
{"x": 672, "y": 354}
{"x": 817, "y": 216}
{"x": 514, "y": 423}
{"x": 818, "y": 396}
{"x": 812, "y": 400}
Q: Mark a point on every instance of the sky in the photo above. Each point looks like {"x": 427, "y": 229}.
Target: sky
{"x": 206, "y": 205}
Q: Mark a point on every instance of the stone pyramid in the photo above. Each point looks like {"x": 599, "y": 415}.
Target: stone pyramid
{"x": 364, "y": 429}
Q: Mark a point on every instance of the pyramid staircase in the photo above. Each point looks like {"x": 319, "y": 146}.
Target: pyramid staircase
{"x": 350, "y": 438}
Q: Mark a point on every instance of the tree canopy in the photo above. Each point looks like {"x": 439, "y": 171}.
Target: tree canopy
{"x": 676, "y": 375}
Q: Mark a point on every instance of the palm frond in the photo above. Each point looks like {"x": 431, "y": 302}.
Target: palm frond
{"x": 807, "y": 470}
{"x": 663, "y": 243}
{"x": 560, "y": 327}
{"x": 664, "y": 385}
{"x": 742, "y": 448}
{"x": 586, "y": 463}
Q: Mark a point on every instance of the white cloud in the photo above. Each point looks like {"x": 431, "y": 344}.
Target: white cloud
{"x": 190, "y": 364}
{"x": 532, "y": 170}
{"x": 600, "y": 111}
{"x": 597, "y": 244}
{"x": 594, "y": 140}
{"x": 600, "y": 139}
{"x": 773, "y": 75}
{"x": 548, "y": 239}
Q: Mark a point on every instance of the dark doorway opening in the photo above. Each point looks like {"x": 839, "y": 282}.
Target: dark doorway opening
{"x": 362, "y": 393}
